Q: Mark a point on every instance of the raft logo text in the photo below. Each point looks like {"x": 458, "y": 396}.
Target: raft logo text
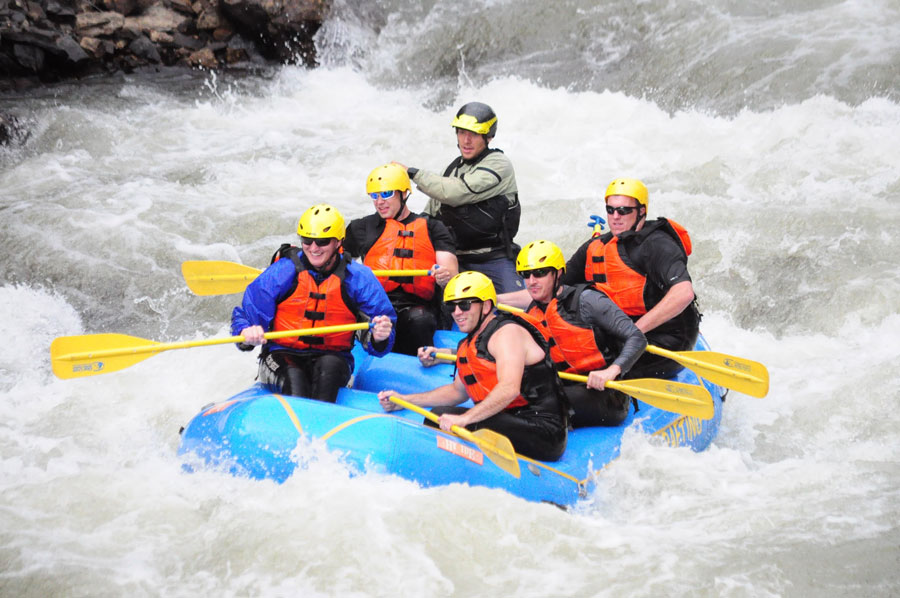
{"x": 460, "y": 450}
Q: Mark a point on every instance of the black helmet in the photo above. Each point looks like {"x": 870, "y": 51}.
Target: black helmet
{"x": 476, "y": 117}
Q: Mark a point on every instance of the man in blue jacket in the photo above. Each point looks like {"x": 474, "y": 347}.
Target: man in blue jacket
{"x": 312, "y": 287}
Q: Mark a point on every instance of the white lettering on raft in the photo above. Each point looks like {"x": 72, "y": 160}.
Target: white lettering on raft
{"x": 460, "y": 450}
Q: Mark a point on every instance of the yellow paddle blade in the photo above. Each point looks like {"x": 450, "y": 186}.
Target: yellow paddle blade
{"x": 217, "y": 278}
{"x": 89, "y": 355}
{"x": 736, "y": 373}
{"x": 92, "y": 354}
{"x": 497, "y": 447}
{"x": 668, "y": 395}
{"x": 208, "y": 278}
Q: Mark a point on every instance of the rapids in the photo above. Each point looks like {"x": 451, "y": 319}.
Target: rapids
{"x": 770, "y": 130}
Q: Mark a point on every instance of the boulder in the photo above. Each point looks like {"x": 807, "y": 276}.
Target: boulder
{"x": 29, "y": 47}
{"x": 281, "y": 29}
{"x": 123, "y": 7}
{"x": 11, "y": 130}
{"x": 209, "y": 19}
{"x": 187, "y": 41}
{"x": 156, "y": 18}
{"x": 43, "y": 41}
{"x": 204, "y": 57}
{"x": 31, "y": 58}
{"x": 61, "y": 11}
{"x": 142, "y": 47}
{"x": 71, "y": 49}
{"x": 182, "y": 6}
{"x": 98, "y": 24}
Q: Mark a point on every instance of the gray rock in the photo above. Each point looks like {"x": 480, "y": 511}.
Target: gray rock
{"x": 71, "y": 49}
{"x": 30, "y": 57}
{"x": 11, "y": 130}
{"x": 282, "y": 29}
{"x": 142, "y": 47}
{"x": 61, "y": 10}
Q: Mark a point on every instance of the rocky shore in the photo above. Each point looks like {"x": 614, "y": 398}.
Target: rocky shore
{"x": 44, "y": 41}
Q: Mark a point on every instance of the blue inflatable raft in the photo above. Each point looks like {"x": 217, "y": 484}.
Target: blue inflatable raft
{"x": 254, "y": 433}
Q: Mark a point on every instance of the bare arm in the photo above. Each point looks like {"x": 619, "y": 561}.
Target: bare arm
{"x": 449, "y": 267}
{"x": 520, "y": 299}
{"x": 673, "y": 303}
{"x": 513, "y": 349}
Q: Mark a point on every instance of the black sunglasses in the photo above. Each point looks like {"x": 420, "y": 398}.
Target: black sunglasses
{"x": 318, "y": 242}
{"x": 621, "y": 210}
{"x": 464, "y": 305}
{"x": 538, "y": 272}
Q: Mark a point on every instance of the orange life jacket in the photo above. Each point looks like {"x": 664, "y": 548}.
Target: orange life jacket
{"x": 404, "y": 247}
{"x": 314, "y": 305}
{"x": 537, "y": 314}
{"x": 575, "y": 346}
{"x": 476, "y": 366}
{"x": 610, "y": 272}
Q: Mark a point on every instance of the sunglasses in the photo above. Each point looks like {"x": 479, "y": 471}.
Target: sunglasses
{"x": 621, "y": 210}
{"x": 538, "y": 272}
{"x": 382, "y": 195}
{"x": 464, "y": 305}
{"x": 317, "y": 242}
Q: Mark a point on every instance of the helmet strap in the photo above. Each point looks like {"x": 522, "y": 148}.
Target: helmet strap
{"x": 404, "y": 197}
{"x": 332, "y": 262}
{"x": 640, "y": 218}
{"x": 477, "y": 327}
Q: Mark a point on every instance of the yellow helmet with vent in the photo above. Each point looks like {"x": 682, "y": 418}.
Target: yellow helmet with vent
{"x": 321, "y": 221}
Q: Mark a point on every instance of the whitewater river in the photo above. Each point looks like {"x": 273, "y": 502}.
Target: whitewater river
{"x": 771, "y": 130}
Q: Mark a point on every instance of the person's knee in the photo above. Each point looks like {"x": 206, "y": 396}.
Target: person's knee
{"x": 415, "y": 328}
{"x": 330, "y": 373}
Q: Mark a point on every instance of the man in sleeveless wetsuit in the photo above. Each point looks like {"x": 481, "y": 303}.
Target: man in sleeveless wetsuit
{"x": 504, "y": 365}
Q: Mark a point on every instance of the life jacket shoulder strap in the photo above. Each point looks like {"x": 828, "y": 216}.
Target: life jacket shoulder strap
{"x": 679, "y": 233}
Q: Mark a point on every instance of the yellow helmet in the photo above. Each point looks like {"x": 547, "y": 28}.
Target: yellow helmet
{"x": 389, "y": 177}
{"x": 630, "y": 188}
{"x": 470, "y": 285}
{"x": 476, "y": 117}
{"x": 540, "y": 254}
{"x": 321, "y": 222}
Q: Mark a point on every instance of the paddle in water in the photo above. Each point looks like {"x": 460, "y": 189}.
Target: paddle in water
{"x": 497, "y": 447}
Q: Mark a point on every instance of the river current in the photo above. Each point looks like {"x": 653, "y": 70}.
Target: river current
{"x": 771, "y": 130}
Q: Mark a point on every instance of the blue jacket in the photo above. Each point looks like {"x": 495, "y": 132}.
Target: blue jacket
{"x": 262, "y": 296}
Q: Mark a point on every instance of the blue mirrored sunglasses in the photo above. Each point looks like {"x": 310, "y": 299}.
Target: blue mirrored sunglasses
{"x": 381, "y": 195}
